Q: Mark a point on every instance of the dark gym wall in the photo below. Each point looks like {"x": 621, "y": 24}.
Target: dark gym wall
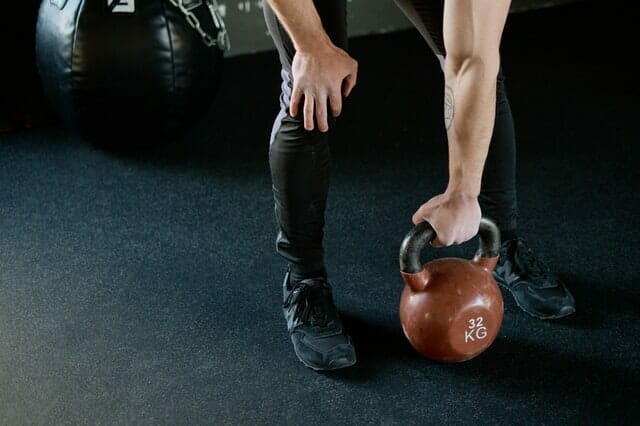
{"x": 21, "y": 99}
{"x": 19, "y": 80}
{"x": 249, "y": 34}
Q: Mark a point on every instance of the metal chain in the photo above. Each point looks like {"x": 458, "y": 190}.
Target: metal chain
{"x": 222, "y": 39}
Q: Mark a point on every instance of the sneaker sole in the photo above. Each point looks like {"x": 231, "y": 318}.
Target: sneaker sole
{"x": 336, "y": 364}
{"x": 564, "y": 312}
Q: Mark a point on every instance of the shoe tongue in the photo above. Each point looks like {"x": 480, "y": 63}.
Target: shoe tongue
{"x": 529, "y": 264}
{"x": 508, "y": 245}
{"x": 508, "y": 250}
{"x": 318, "y": 301}
{"x": 522, "y": 256}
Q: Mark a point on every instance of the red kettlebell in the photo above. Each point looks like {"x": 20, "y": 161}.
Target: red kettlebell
{"x": 451, "y": 309}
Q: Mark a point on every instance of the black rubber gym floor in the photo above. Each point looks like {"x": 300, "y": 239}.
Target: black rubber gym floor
{"x": 143, "y": 288}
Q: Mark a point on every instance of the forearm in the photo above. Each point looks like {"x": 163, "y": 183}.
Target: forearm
{"x": 470, "y": 98}
{"x": 301, "y": 21}
{"x": 472, "y": 33}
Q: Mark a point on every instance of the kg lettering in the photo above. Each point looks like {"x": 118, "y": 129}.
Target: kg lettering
{"x": 476, "y": 330}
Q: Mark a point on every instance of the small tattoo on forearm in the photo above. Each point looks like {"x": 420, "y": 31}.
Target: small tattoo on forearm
{"x": 449, "y": 106}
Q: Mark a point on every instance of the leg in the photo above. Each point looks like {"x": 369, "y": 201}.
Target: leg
{"x": 299, "y": 159}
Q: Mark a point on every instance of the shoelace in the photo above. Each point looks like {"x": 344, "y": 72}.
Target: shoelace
{"x": 528, "y": 262}
{"x": 313, "y": 303}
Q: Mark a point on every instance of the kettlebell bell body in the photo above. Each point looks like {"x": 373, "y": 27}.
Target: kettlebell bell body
{"x": 450, "y": 309}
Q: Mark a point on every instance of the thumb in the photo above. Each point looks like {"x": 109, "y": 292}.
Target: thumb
{"x": 418, "y": 217}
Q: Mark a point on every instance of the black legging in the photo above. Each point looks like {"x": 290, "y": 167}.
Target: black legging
{"x": 300, "y": 159}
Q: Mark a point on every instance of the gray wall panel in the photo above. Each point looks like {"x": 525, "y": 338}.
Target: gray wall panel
{"x": 249, "y": 35}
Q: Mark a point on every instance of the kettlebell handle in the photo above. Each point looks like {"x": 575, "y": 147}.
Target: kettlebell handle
{"x": 423, "y": 233}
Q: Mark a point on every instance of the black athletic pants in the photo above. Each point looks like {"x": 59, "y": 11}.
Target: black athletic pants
{"x": 300, "y": 159}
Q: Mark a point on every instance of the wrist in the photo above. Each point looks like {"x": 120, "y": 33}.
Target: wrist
{"x": 302, "y": 23}
{"x": 466, "y": 187}
{"x": 312, "y": 43}
{"x": 461, "y": 195}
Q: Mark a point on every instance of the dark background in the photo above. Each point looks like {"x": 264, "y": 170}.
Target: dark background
{"x": 143, "y": 287}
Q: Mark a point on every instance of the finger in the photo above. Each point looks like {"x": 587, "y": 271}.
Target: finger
{"x": 444, "y": 241}
{"x": 422, "y": 214}
{"x": 441, "y": 239}
{"x": 321, "y": 114}
{"x": 437, "y": 243}
{"x": 349, "y": 83}
{"x": 308, "y": 112}
{"x": 335, "y": 103}
{"x": 294, "y": 104}
{"x": 466, "y": 236}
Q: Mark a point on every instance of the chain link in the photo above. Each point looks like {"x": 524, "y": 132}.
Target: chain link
{"x": 222, "y": 40}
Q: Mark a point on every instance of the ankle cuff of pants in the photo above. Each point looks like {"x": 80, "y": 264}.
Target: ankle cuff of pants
{"x": 299, "y": 272}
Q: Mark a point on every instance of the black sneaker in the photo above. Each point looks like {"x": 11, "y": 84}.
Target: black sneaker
{"x": 535, "y": 288}
{"x": 318, "y": 337}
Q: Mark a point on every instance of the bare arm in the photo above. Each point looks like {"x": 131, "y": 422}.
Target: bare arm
{"x": 302, "y": 23}
{"x": 472, "y": 33}
{"x": 322, "y": 72}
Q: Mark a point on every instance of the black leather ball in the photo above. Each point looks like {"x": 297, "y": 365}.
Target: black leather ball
{"x": 126, "y": 72}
